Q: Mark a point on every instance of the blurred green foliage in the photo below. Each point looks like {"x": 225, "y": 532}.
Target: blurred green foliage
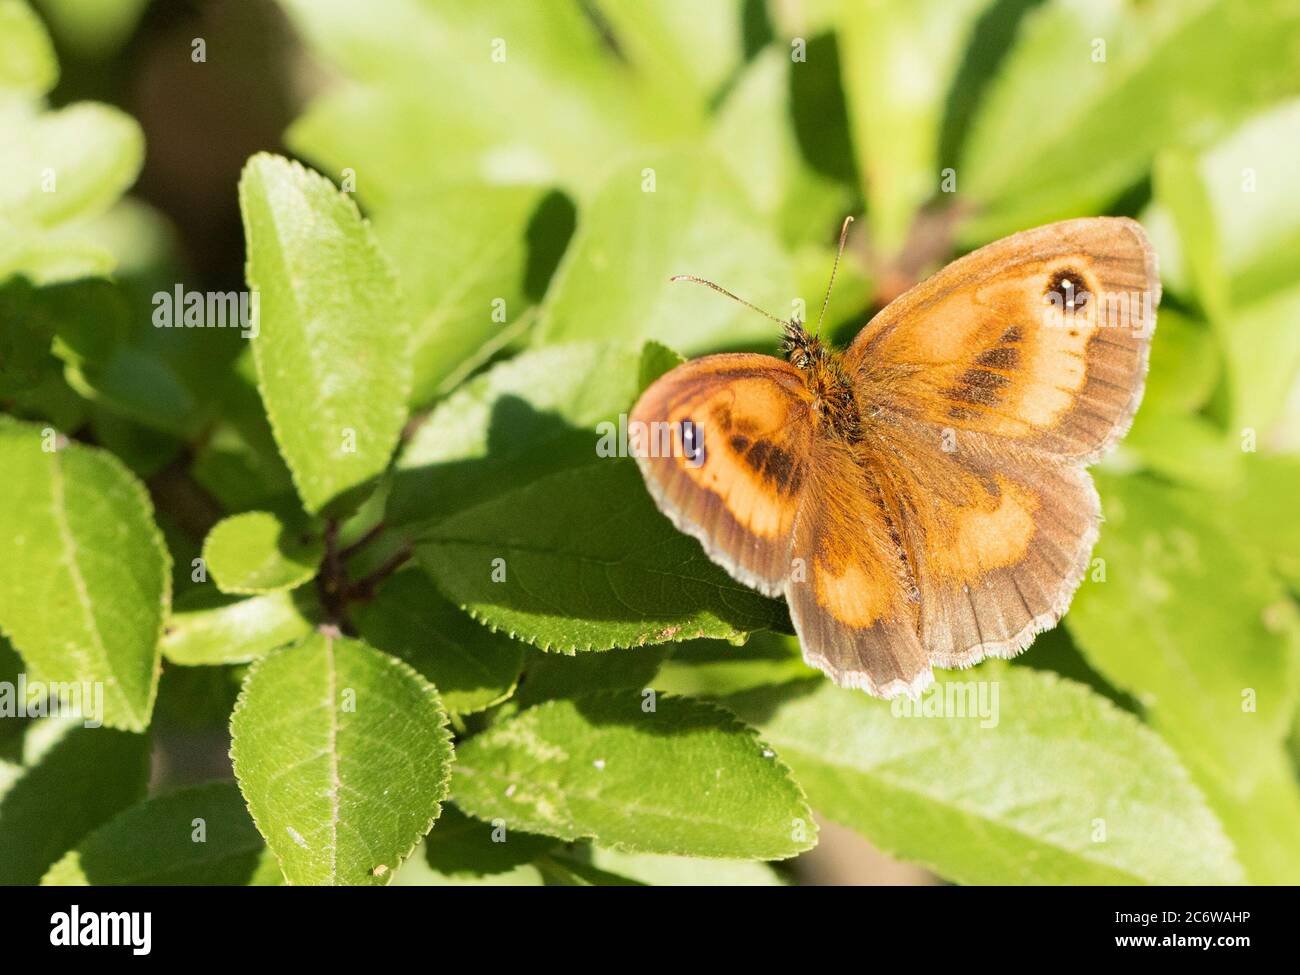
{"x": 530, "y": 175}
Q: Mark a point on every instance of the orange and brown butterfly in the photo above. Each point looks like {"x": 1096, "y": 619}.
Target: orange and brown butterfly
{"x": 920, "y": 498}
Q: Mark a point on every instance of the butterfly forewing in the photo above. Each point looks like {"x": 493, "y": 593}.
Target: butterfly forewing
{"x": 1040, "y": 339}
{"x": 726, "y": 449}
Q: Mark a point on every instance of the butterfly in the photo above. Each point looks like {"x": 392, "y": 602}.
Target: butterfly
{"x": 920, "y": 498}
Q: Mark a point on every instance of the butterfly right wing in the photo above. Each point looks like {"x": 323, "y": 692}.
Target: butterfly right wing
{"x": 725, "y": 445}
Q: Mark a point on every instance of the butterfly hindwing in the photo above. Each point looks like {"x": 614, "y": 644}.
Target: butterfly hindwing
{"x": 851, "y": 597}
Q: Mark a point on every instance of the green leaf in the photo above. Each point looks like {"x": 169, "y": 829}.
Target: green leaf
{"x": 552, "y": 675}
{"x": 1190, "y": 622}
{"x": 85, "y": 579}
{"x": 196, "y": 836}
{"x": 713, "y": 668}
{"x": 900, "y": 60}
{"x": 689, "y": 49}
{"x": 1100, "y": 122}
{"x": 80, "y": 781}
{"x": 27, "y": 64}
{"x": 472, "y": 667}
{"x": 564, "y": 871}
{"x": 754, "y": 132}
{"x": 614, "y": 283}
{"x": 1247, "y": 181}
{"x": 532, "y": 415}
{"x": 255, "y": 552}
{"x": 208, "y": 628}
{"x": 685, "y": 778}
{"x": 1053, "y": 785}
{"x": 1262, "y": 352}
{"x": 90, "y": 154}
{"x": 332, "y": 348}
{"x": 343, "y": 755}
{"x": 93, "y": 28}
{"x": 1263, "y": 511}
{"x": 1260, "y": 820}
{"x": 500, "y": 72}
{"x": 459, "y": 846}
{"x": 463, "y": 258}
{"x": 582, "y": 560}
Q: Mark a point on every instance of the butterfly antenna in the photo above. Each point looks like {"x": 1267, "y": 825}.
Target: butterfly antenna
{"x": 723, "y": 291}
{"x": 844, "y": 236}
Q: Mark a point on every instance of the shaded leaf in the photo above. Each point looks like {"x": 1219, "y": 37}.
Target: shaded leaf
{"x": 80, "y": 781}
{"x": 472, "y": 667}
{"x": 582, "y": 560}
{"x": 196, "y": 836}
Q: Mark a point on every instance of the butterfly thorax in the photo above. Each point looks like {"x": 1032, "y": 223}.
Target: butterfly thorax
{"x": 827, "y": 379}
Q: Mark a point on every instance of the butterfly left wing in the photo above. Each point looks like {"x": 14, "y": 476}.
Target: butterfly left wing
{"x": 724, "y": 444}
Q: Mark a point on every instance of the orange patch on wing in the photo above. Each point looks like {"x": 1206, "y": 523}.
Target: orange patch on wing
{"x": 992, "y": 534}
{"x": 853, "y": 595}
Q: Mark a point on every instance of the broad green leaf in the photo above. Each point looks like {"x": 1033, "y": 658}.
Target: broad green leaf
{"x": 656, "y": 216}
{"x": 332, "y": 346}
{"x": 255, "y": 552}
{"x": 684, "y": 778}
{"x": 582, "y": 560}
{"x": 460, "y": 846}
{"x": 343, "y": 756}
{"x": 1091, "y": 91}
{"x": 1190, "y": 622}
{"x": 1010, "y": 776}
{"x": 900, "y": 60}
{"x": 196, "y": 836}
{"x": 80, "y": 781}
{"x": 208, "y": 627}
{"x": 532, "y": 415}
{"x": 509, "y": 77}
{"x": 463, "y": 258}
{"x": 85, "y": 579}
{"x": 27, "y": 64}
{"x": 472, "y": 667}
